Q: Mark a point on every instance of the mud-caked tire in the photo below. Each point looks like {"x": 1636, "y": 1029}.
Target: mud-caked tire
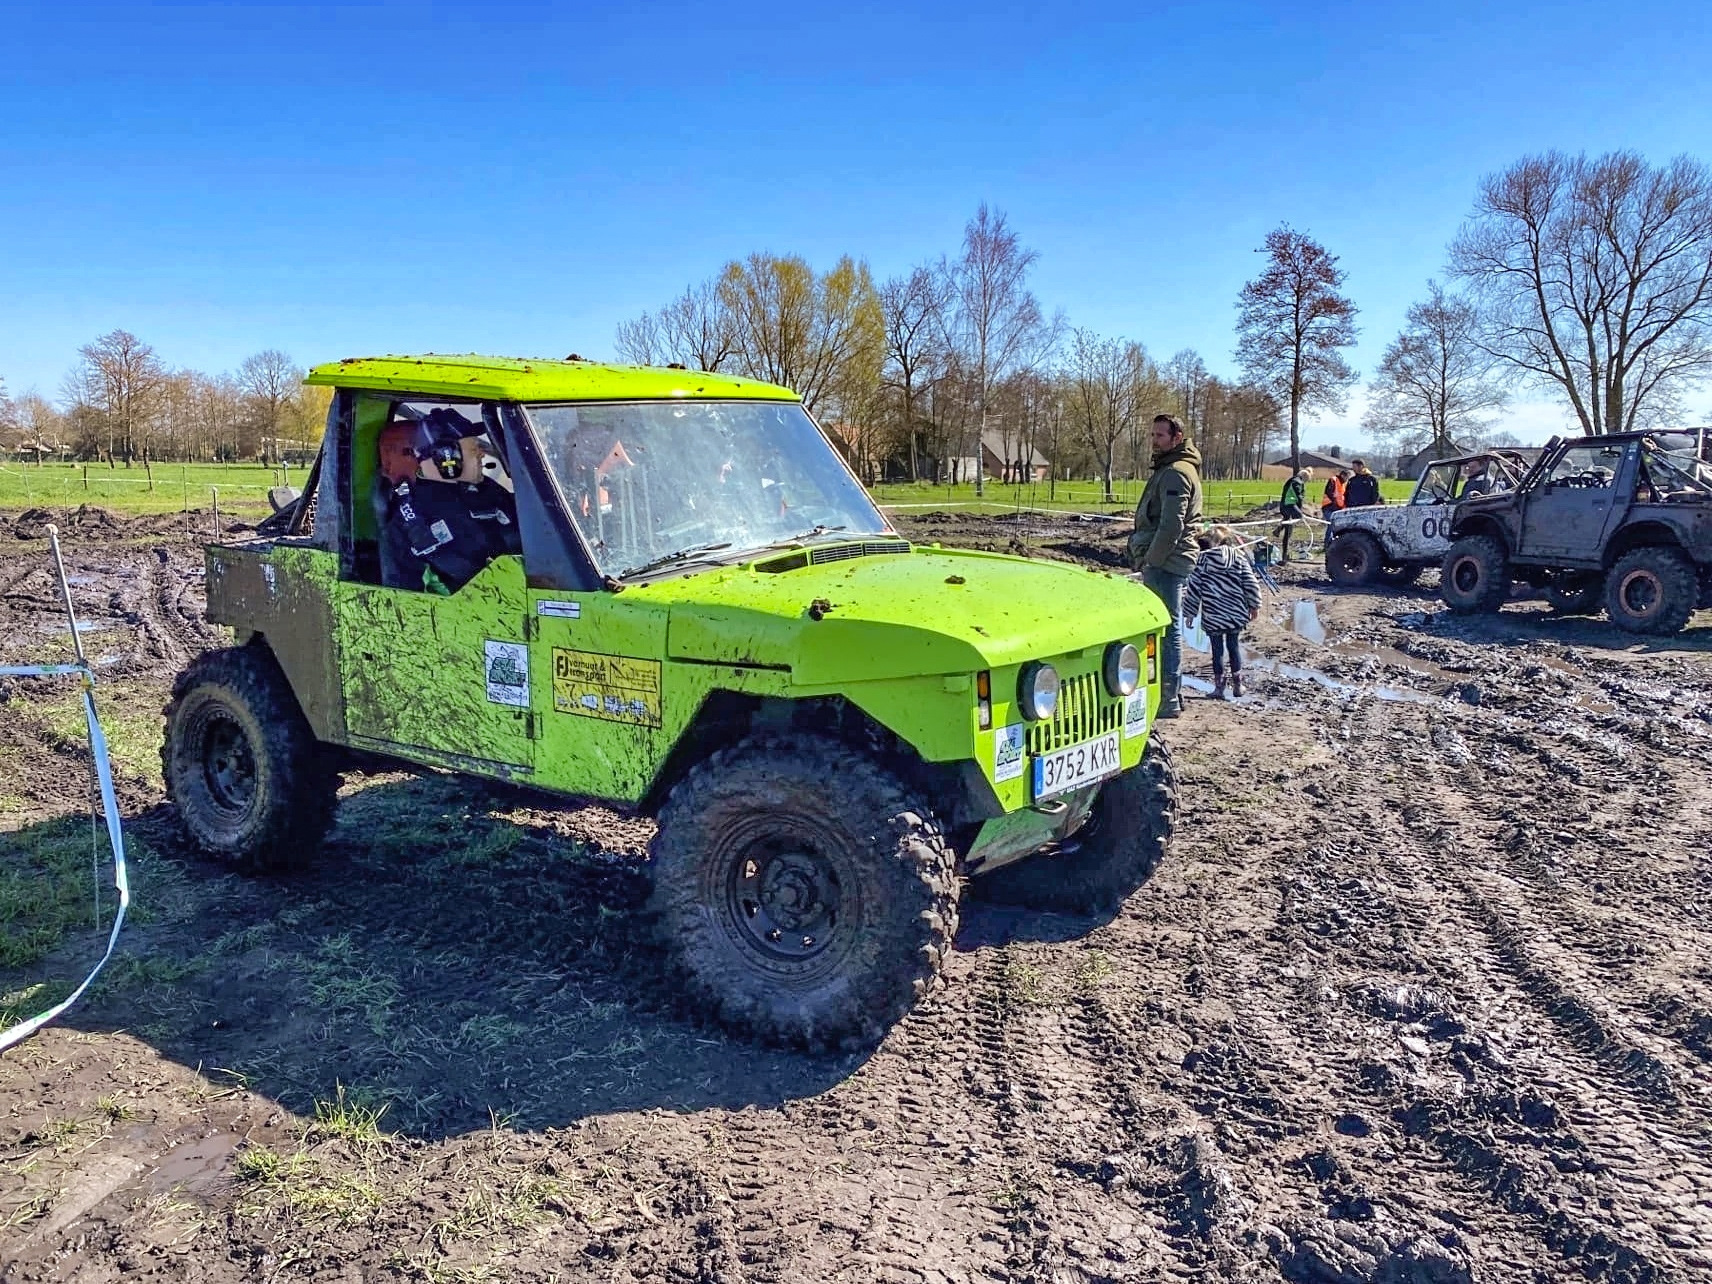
{"x": 1651, "y": 590}
{"x": 1475, "y": 577}
{"x": 806, "y": 894}
{"x": 1575, "y": 594}
{"x": 1125, "y": 837}
{"x": 252, "y": 785}
{"x": 1354, "y": 560}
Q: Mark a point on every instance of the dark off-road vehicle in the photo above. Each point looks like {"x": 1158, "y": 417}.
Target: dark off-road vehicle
{"x": 1623, "y": 520}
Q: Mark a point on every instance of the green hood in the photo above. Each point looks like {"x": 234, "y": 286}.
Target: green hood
{"x": 932, "y": 611}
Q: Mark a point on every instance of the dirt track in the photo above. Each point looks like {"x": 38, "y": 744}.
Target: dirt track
{"x": 1423, "y": 994}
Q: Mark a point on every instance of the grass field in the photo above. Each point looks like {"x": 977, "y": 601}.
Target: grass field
{"x": 1222, "y": 498}
{"x": 166, "y": 488}
{"x": 243, "y": 488}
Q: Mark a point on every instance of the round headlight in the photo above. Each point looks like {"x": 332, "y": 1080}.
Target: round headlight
{"x": 1123, "y": 669}
{"x": 1037, "y": 691}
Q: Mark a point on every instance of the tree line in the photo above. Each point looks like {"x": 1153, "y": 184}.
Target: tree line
{"x": 121, "y": 404}
{"x": 1587, "y": 277}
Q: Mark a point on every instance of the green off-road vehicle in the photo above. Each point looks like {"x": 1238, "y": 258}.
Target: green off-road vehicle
{"x": 709, "y": 622}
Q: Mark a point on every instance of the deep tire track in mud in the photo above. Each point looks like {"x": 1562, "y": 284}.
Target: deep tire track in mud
{"x": 1423, "y": 993}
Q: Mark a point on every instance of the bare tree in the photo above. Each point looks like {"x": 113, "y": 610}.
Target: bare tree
{"x": 40, "y": 428}
{"x": 112, "y": 391}
{"x": 996, "y": 320}
{"x": 696, "y": 330}
{"x": 1292, "y": 322}
{"x": 1103, "y": 394}
{"x": 912, "y": 310}
{"x": 1595, "y": 277}
{"x": 822, "y": 335}
{"x": 270, "y": 380}
{"x": 1435, "y": 381}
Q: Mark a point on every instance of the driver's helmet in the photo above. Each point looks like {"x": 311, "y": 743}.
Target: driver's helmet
{"x": 439, "y": 441}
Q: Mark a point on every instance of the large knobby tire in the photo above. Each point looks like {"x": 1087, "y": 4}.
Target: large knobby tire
{"x": 1575, "y": 594}
{"x": 1354, "y": 560}
{"x": 1116, "y": 850}
{"x": 1475, "y": 578}
{"x": 1651, "y": 590}
{"x": 252, "y": 785}
{"x": 806, "y": 893}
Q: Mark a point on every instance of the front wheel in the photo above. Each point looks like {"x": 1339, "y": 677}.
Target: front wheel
{"x": 1125, "y": 837}
{"x": 1651, "y": 590}
{"x": 251, "y": 783}
{"x": 807, "y": 896}
{"x": 1354, "y": 560}
{"x": 1475, "y": 578}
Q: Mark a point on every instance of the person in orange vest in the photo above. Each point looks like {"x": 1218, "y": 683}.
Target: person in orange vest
{"x": 1333, "y": 500}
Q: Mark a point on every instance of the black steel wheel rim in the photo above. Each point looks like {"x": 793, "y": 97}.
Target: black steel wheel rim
{"x": 784, "y": 899}
{"x": 228, "y": 763}
{"x": 1641, "y": 592}
{"x": 1466, "y": 574}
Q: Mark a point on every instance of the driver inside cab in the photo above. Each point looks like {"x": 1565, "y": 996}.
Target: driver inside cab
{"x": 442, "y": 518}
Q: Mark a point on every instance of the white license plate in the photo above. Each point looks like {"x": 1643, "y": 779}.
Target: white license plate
{"x": 1076, "y": 765}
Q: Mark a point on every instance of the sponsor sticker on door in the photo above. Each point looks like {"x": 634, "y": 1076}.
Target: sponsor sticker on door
{"x": 613, "y": 688}
{"x": 1008, "y": 752}
{"x": 507, "y": 673}
{"x": 1135, "y": 715}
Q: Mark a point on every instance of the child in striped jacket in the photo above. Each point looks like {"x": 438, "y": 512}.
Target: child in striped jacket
{"x": 1224, "y": 592}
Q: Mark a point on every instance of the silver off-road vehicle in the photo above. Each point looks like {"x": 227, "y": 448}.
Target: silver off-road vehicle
{"x": 1393, "y": 544}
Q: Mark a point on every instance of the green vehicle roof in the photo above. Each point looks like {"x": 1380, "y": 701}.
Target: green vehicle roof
{"x": 522, "y": 379}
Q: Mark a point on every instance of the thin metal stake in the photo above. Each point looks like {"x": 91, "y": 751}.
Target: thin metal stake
{"x": 77, "y": 648}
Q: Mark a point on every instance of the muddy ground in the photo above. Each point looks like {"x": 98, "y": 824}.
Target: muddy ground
{"x": 1423, "y": 994}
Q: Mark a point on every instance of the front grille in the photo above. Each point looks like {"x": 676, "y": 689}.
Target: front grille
{"x": 1084, "y": 711}
{"x": 869, "y": 548}
{"x": 795, "y": 561}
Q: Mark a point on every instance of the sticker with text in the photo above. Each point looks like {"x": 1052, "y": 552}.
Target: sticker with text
{"x": 613, "y": 688}
{"x": 1007, "y": 752}
{"x": 507, "y": 673}
{"x": 560, "y": 610}
{"x": 1135, "y": 715}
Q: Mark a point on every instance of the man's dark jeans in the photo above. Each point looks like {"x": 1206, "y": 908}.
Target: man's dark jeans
{"x": 1170, "y": 590}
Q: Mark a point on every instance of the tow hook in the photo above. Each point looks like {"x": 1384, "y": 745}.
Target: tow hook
{"x": 1052, "y": 807}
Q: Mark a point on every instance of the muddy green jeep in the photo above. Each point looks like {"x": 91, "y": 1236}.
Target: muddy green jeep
{"x": 708, "y": 622}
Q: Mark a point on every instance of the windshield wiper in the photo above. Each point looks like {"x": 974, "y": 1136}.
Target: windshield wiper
{"x": 682, "y": 555}
{"x": 806, "y": 535}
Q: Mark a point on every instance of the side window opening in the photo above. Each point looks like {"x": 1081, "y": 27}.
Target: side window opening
{"x": 431, "y": 496}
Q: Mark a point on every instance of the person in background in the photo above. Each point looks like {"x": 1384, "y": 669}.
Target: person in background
{"x": 1290, "y": 504}
{"x": 1362, "y": 490}
{"x": 1333, "y": 494}
{"x": 1224, "y": 594}
{"x": 1162, "y": 546}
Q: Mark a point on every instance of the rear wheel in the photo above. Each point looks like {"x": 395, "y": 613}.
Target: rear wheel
{"x": 251, "y": 783}
{"x": 1354, "y": 559}
{"x": 1475, "y": 578}
{"x": 1575, "y": 594}
{"x": 1115, "y": 851}
{"x": 807, "y": 896}
{"x": 1651, "y": 590}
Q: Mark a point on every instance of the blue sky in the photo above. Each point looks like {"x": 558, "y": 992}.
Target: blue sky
{"x": 351, "y": 179}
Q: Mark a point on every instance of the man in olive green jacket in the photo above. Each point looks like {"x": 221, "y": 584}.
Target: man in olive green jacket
{"x": 1163, "y": 546}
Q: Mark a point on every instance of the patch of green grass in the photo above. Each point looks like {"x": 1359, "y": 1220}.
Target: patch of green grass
{"x": 23, "y": 1003}
{"x": 338, "y": 980}
{"x": 1022, "y": 983}
{"x": 1219, "y": 498}
{"x": 304, "y": 1186}
{"x": 163, "y": 488}
{"x": 47, "y": 886}
{"x": 349, "y": 1118}
{"x": 133, "y": 735}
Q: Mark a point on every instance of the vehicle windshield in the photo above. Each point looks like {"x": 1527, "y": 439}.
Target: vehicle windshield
{"x": 1447, "y": 483}
{"x": 658, "y": 484}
